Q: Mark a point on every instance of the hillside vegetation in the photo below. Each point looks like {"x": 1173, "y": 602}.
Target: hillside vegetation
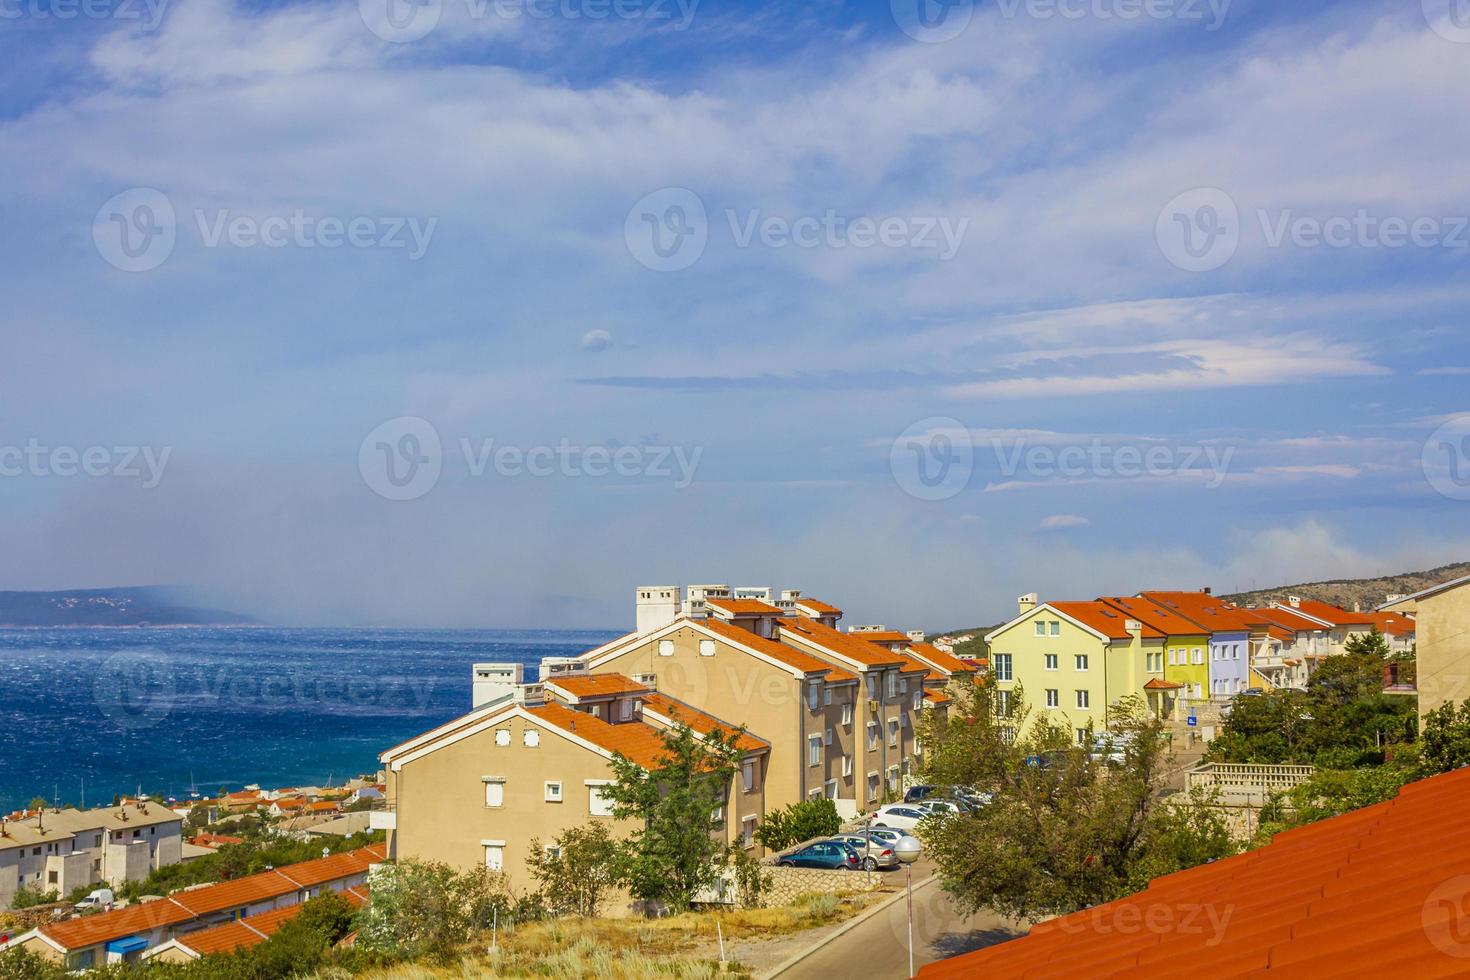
{"x": 1364, "y": 593}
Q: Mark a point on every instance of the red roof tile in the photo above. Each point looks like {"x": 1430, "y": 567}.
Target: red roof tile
{"x": 947, "y": 662}
{"x": 680, "y": 713}
{"x": 639, "y": 742}
{"x": 1392, "y": 624}
{"x": 781, "y": 652}
{"x": 743, "y": 607}
{"x": 1377, "y": 892}
{"x": 1329, "y": 613}
{"x": 579, "y": 686}
{"x": 848, "y": 645}
{"x": 1161, "y": 618}
{"x": 249, "y": 931}
{"x": 818, "y": 606}
{"x": 1108, "y": 621}
{"x": 1210, "y": 612}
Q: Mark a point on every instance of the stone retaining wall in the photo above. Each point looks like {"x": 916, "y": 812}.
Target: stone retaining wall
{"x": 788, "y": 883}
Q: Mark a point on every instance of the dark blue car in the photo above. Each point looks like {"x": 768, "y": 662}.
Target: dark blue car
{"x": 827, "y": 854}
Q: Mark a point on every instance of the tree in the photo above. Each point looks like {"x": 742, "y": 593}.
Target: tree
{"x": 674, "y": 854}
{"x": 577, "y": 871}
{"x": 798, "y": 822}
{"x": 37, "y": 803}
{"x": 28, "y": 896}
{"x": 1373, "y": 643}
{"x": 1444, "y": 742}
{"x": 429, "y": 909}
{"x": 1062, "y": 831}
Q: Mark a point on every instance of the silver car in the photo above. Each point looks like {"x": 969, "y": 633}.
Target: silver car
{"x": 873, "y": 853}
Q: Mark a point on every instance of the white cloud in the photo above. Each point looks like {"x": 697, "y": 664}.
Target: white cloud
{"x": 1058, "y": 521}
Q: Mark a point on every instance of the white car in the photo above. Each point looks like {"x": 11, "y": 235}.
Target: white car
{"x": 904, "y": 816}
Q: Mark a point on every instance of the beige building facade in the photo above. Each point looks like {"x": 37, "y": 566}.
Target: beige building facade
{"x": 1442, "y": 625}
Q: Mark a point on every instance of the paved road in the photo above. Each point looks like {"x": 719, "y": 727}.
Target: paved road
{"x": 877, "y": 949}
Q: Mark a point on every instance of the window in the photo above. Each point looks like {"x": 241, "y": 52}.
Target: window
{"x": 1199, "y": 655}
{"x": 1080, "y": 661}
{"x": 625, "y": 709}
{"x": 827, "y": 697}
{"x": 1056, "y": 627}
{"x": 1173, "y": 656}
{"x": 1053, "y": 698}
{"x": 872, "y": 682}
{"x": 918, "y": 699}
{"x": 1040, "y": 627}
{"x": 598, "y": 805}
{"x": 747, "y": 831}
{"x": 892, "y": 777}
{"x": 814, "y": 750}
{"x": 872, "y": 735}
{"x": 531, "y": 738}
{"x": 831, "y": 789}
{"x": 1235, "y": 651}
{"x": 494, "y": 791}
{"x": 502, "y": 736}
{"x": 847, "y": 765}
{"x": 553, "y": 792}
{"x": 665, "y": 648}
{"x": 903, "y": 686}
{"x": 706, "y": 648}
{"x": 827, "y": 737}
{"x": 847, "y": 714}
{"x": 1081, "y": 736}
{"x": 891, "y": 677}
{"x": 893, "y": 731}
{"x": 1002, "y": 666}
{"x": 813, "y": 693}
{"x": 596, "y": 711}
{"x": 873, "y": 786}
{"x": 495, "y": 856}
{"x": 903, "y": 721}
{"x": 747, "y": 776}
{"x": 718, "y": 814}
{"x": 1051, "y": 661}
{"x": 1003, "y": 703}
{"x": 552, "y": 851}
{"x": 1083, "y": 700}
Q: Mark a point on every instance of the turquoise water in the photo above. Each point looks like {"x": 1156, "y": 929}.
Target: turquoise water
{"x": 89, "y": 713}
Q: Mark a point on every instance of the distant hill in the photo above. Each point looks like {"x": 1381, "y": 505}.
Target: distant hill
{"x": 1355, "y": 593}
{"x": 134, "y": 606}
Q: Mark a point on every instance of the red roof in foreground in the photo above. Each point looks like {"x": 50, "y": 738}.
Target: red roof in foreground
{"x": 1382, "y": 891}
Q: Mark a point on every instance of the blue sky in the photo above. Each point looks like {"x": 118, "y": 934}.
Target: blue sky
{"x": 884, "y": 243}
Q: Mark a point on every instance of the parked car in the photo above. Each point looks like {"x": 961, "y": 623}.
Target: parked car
{"x": 888, "y": 835}
{"x": 101, "y": 898}
{"x": 916, "y": 793}
{"x": 873, "y": 852}
{"x": 831, "y": 855}
{"x": 904, "y": 816}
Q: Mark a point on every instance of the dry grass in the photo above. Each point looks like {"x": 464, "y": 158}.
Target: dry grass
{"x": 677, "y": 947}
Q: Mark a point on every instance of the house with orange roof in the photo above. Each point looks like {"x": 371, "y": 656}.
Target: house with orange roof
{"x": 1231, "y": 630}
{"x": 1340, "y": 624}
{"x": 288, "y": 806}
{"x": 1398, "y": 630}
{"x": 1178, "y": 674}
{"x": 232, "y": 937}
{"x": 805, "y": 704}
{"x": 124, "y": 935}
{"x": 1345, "y": 896}
{"x": 476, "y": 790}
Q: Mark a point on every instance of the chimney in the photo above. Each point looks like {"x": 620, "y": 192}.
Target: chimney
{"x": 494, "y": 682}
{"x": 1026, "y": 603}
{"x": 916, "y": 636}
{"x": 1294, "y": 601}
{"x": 658, "y": 606}
{"x": 1134, "y": 628}
{"x": 1206, "y": 590}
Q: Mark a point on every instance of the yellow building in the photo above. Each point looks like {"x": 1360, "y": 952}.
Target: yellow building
{"x": 1074, "y": 659}
{"x": 1442, "y": 628}
{"x": 1184, "y": 683}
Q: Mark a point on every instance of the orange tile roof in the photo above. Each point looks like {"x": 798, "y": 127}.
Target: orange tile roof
{"x": 818, "y": 606}
{"x": 249, "y": 931}
{"x": 1392, "y": 624}
{"x": 679, "y": 712}
{"x": 322, "y": 806}
{"x": 848, "y": 645}
{"x": 1376, "y": 892}
{"x": 290, "y": 803}
{"x": 1161, "y": 618}
{"x": 234, "y": 894}
{"x": 743, "y": 607}
{"x": 1287, "y": 619}
{"x": 93, "y": 929}
{"x": 1157, "y": 684}
{"x": 596, "y": 685}
{"x": 944, "y": 661}
{"x": 1210, "y": 612}
{"x": 1329, "y": 613}
{"x": 788, "y": 655}
{"x": 913, "y": 665}
{"x": 881, "y": 636}
{"x": 639, "y": 742}
{"x": 938, "y": 697}
{"x": 1103, "y": 618}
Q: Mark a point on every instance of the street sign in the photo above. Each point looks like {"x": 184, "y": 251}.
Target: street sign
{"x": 1193, "y": 722}
{"x": 1033, "y": 760}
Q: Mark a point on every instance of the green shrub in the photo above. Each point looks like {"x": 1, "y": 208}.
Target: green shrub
{"x": 798, "y": 822}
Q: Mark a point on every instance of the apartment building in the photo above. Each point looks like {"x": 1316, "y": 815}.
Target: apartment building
{"x": 1339, "y": 625}
{"x": 1441, "y": 616}
{"x": 1184, "y": 685}
{"x": 1074, "y": 660}
{"x": 827, "y": 714}
{"x": 125, "y": 935}
{"x": 476, "y": 790}
{"x": 61, "y": 850}
{"x": 1229, "y": 628}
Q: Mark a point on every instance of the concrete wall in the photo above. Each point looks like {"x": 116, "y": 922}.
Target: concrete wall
{"x": 788, "y": 884}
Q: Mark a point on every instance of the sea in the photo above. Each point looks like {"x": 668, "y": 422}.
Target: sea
{"x": 89, "y": 714}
